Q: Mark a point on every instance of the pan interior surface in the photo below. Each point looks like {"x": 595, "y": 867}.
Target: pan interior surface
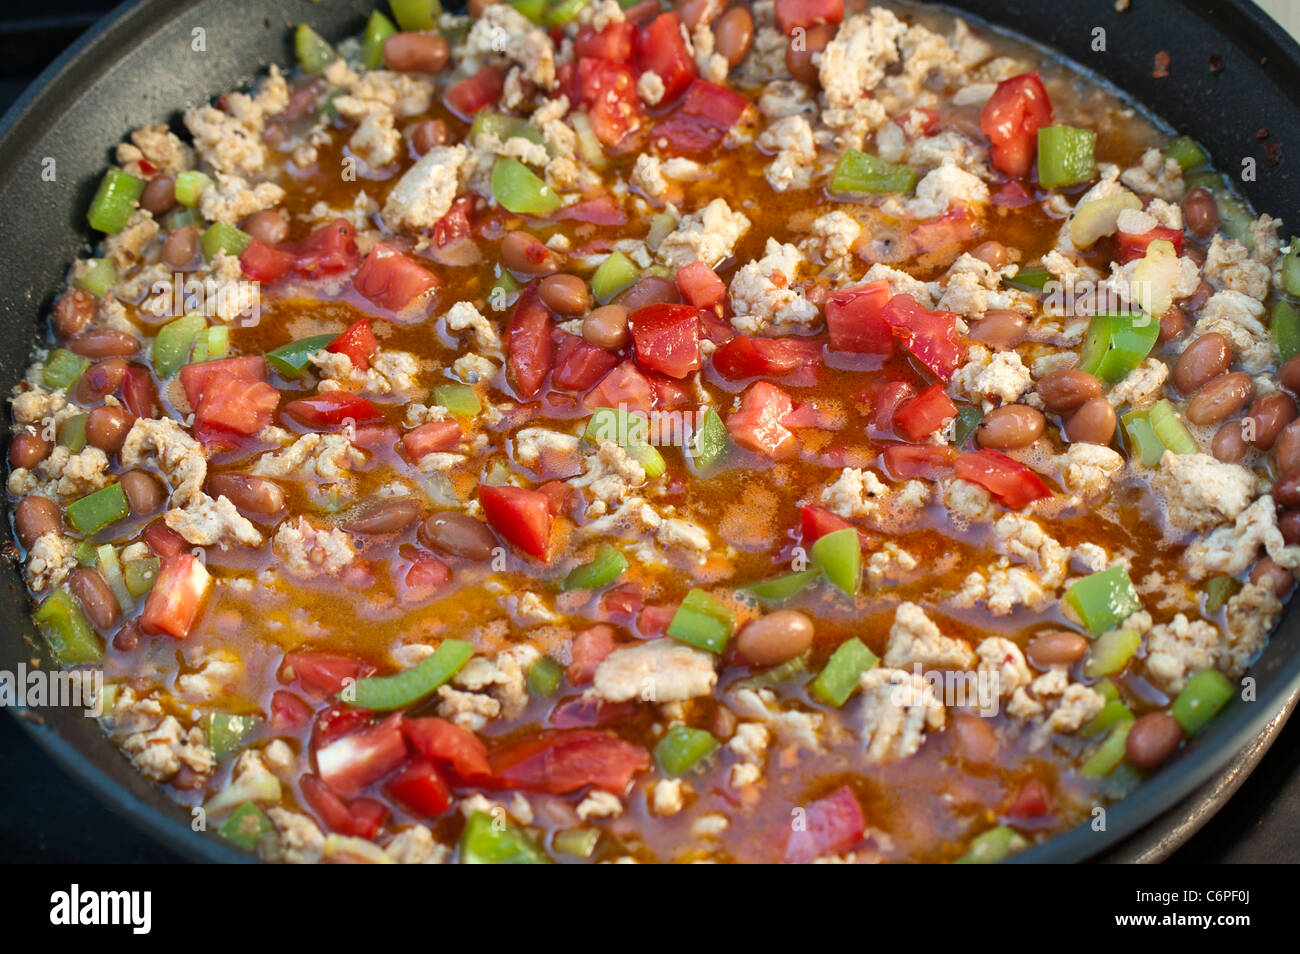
{"x": 1231, "y": 75}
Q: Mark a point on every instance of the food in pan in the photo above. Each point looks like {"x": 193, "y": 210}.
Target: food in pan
{"x": 737, "y": 432}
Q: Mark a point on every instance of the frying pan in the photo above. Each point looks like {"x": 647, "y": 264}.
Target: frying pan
{"x": 1231, "y": 76}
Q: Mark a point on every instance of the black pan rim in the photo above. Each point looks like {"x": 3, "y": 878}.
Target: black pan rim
{"x": 80, "y": 67}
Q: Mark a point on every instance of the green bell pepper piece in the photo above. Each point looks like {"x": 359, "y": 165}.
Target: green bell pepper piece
{"x": 1111, "y": 714}
{"x": 1205, "y": 694}
{"x": 1187, "y": 152}
{"x": 173, "y": 343}
{"x": 98, "y": 279}
{"x": 221, "y": 237}
{"x": 991, "y": 846}
{"x": 378, "y": 29}
{"x": 460, "y": 399}
{"x": 968, "y": 419}
{"x": 1065, "y": 156}
{"x": 110, "y": 568}
{"x": 710, "y": 441}
{"x": 407, "y": 688}
{"x": 86, "y": 553}
{"x": 416, "y": 14}
{"x": 1109, "y": 754}
{"x": 862, "y": 172}
{"x": 534, "y": 10}
{"x": 703, "y": 622}
{"x": 95, "y": 511}
{"x": 790, "y": 669}
{"x": 629, "y": 430}
{"x": 1108, "y": 690}
{"x": 520, "y": 190}
{"x": 1291, "y": 269}
{"x": 313, "y": 52}
{"x": 228, "y": 733}
{"x": 140, "y": 573}
{"x": 781, "y": 588}
{"x": 842, "y": 672}
{"x": 67, "y": 630}
{"x": 62, "y": 369}
{"x": 563, "y": 12}
{"x": 503, "y": 127}
{"x": 292, "y": 359}
{"x": 488, "y": 842}
{"x": 682, "y": 749}
{"x": 72, "y": 433}
{"x": 544, "y": 676}
{"x": 1116, "y": 344}
{"x": 1168, "y": 426}
{"x": 1034, "y": 279}
{"x": 839, "y": 555}
{"x": 1111, "y": 652}
{"x": 1103, "y": 600}
{"x": 114, "y": 201}
{"x": 1218, "y": 590}
{"x": 1143, "y": 444}
{"x": 190, "y": 187}
{"x": 580, "y": 842}
{"x": 603, "y": 569}
{"x": 1285, "y": 328}
{"x": 615, "y": 273}
{"x": 246, "y": 826}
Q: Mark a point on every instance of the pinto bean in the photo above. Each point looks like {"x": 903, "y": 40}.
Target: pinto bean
{"x": 650, "y": 290}
{"x": 72, "y": 312}
{"x": 259, "y": 496}
{"x": 1220, "y": 398}
{"x": 1286, "y": 492}
{"x": 1207, "y": 357}
{"x": 1152, "y": 740}
{"x": 695, "y": 12}
{"x": 102, "y": 377}
{"x": 606, "y": 327}
{"x": 1092, "y": 423}
{"x": 524, "y": 254}
{"x": 798, "y": 56}
{"x": 95, "y": 597}
{"x": 1172, "y": 323}
{"x": 107, "y": 427}
{"x": 991, "y": 252}
{"x": 27, "y": 449}
{"x": 1010, "y": 426}
{"x": 1271, "y": 413}
{"x": 143, "y": 492}
{"x": 389, "y": 516}
{"x": 159, "y": 195}
{"x": 1200, "y": 212}
{"x": 428, "y": 134}
{"x": 1289, "y": 375}
{"x": 104, "y": 344}
{"x": 1267, "y": 572}
{"x": 34, "y": 517}
{"x": 458, "y": 534}
{"x": 733, "y": 33}
{"x": 564, "y": 294}
{"x": 267, "y": 226}
{"x": 1197, "y": 299}
{"x": 974, "y": 739}
{"x": 775, "y": 638}
{"x": 1066, "y": 390}
{"x": 1287, "y": 448}
{"x": 1056, "y": 648}
{"x": 181, "y": 247}
{"x": 1228, "y": 445}
{"x": 1289, "y": 524}
{"x": 416, "y": 52}
{"x": 475, "y": 8}
{"x": 1000, "y": 329}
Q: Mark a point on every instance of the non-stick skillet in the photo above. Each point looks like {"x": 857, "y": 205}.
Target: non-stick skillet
{"x": 1230, "y": 84}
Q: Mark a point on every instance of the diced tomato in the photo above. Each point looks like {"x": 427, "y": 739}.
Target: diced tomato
{"x": 455, "y": 225}
{"x": 1011, "y": 119}
{"x": 332, "y": 409}
{"x": 661, "y": 48}
{"x": 336, "y": 721}
{"x": 700, "y": 285}
{"x": 431, "y": 437}
{"x": 1030, "y": 801}
{"x": 924, "y": 414}
{"x": 601, "y": 210}
{"x": 330, "y": 250}
{"x": 816, "y": 522}
{"x": 239, "y": 406}
{"x": 163, "y": 540}
{"x": 138, "y": 392}
{"x": 653, "y": 621}
{"x": 360, "y": 818}
{"x": 1012, "y": 195}
{"x": 588, "y": 712}
{"x": 263, "y": 262}
{"x": 523, "y": 517}
{"x": 446, "y": 744}
{"x": 557, "y": 494}
{"x": 746, "y": 357}
{"x": 358, "y": 342}
{"x": 195, "y": 376}
{"x": 473, "y": 93}
{"x": 714, "y": 328}
{"x": 643, "y": 10}
{"x": 615, "y": 41}
{"x": 368, "y": 816}
{"x": 288, "y": 712}
{"x": 703, "y": 119}
{"x": 885, "y": 398}
{"x": 805, "y": 13}
{"x": 931, "y": 336}
{"x": 173, "y": 603}
{"x": 420, "y": 578}
{"x": 1133, "y": 246}
{"x": 832, "y": 824}
{"x": 626, "y": 387}
{"x": 1010, "y": 481}
{"x": 563, "y": 760}
{"x": 608, "y": 90}
{"x": 757, "y": 426}
{"x": 855, "y": 321}
{"x": 580, "y": 364}
{"x": 216, "y": 439}
{"x": 350, "y": 763}
{"x": 420, "y": 789}
{"x": 326, "y": 672}
{"x": 391, "y": 280}
{"x": 670, "y": 395}
{"x": 589, "y": 649}
{"x": 918, "y": 121}
{"x": 927, "y": 461}
{"x": 623, "y": 600}
{"x": 666, "y": 338}
{"x": 529, "y": 348}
